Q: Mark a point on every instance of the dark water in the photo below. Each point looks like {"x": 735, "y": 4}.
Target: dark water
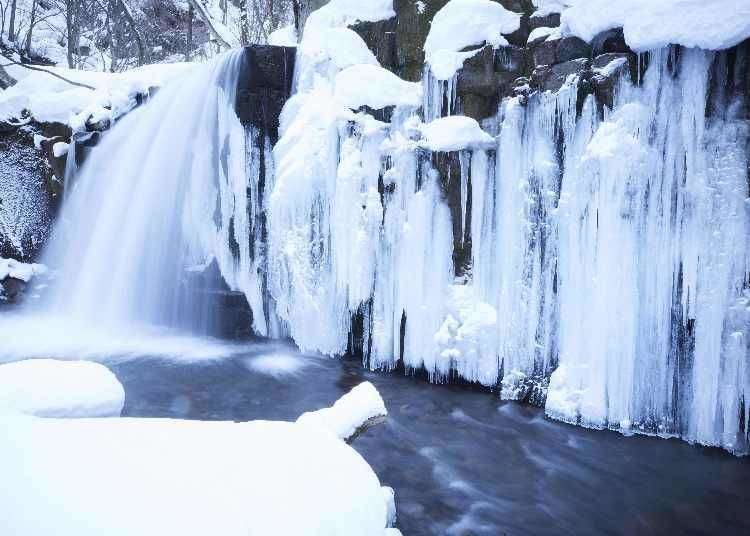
{"x": 464, "y": 463}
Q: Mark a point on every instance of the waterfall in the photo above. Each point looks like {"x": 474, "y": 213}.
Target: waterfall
{"x": 161, "y": 197}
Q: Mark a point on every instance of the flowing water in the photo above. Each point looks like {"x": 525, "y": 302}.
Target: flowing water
{"x": 463, "y": 462}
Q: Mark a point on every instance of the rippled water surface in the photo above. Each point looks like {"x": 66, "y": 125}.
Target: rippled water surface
{"x": 461, "y": 461}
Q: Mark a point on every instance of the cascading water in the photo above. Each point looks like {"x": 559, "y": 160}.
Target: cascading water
{"x": 163, "y": 195}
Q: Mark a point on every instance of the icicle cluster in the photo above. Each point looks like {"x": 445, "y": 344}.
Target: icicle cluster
{"x": 609, "y": 251}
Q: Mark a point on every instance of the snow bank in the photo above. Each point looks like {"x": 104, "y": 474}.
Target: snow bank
{"x": 20, "y": 270}
{"x": 153, "y": 477}
{"x": 373, "y": 86}
{"x": 350, "y": 412}
{"x": 453, "y": 133}
{"x": 49, "y": 99}
{"x": 649, "y": 24}
{"x": 48, "y": 388}
{"x": 464, "y": 23}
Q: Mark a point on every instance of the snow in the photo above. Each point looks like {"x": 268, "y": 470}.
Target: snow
{"x": 375, "y": 87}
{"x": 48, "y": 388}
{"x": 360, "y": 405}
{"x": 60, "y": 149}
{"x": 19, "y": 270}
{"x": 155, "y": 476}
{"x": 49, "y": 99}
{"x": 548, "y": 7}
{"x": 542, "y": 33}
{"x": 454, "y": 133}
{"x": 286, "y": 36}
{"x": 648, "y": 25}
{"x": 338, "y": 13}
{"x": 461, "y": 24}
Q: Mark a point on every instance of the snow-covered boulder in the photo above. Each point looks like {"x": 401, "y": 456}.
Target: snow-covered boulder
{"x": 454, "y": 133}
{"x": 353, "y": 411}
{"x": 153, "y": 477}
{"x": 49, "y": 388}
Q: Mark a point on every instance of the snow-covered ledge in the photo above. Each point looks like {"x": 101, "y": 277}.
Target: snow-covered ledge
{"x": 164, "y": 476}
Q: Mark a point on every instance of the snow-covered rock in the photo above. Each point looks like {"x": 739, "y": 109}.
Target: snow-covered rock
{"x": 152, "y": 477}
{"x": 349, "y": 413}
{"x": 650, "y": 24}
{"x": 49, "y": 388}
{"x": 20, "y": 270}
{"x": 464, "y": 23}
{"x": 453, "y": 133}
{"x": 373, "y": 86}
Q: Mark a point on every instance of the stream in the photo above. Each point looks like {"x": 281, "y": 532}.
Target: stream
{"x": 461, "y": 461}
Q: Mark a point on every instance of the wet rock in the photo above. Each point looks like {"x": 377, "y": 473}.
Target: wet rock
{"x": 546, "y": 78}
{"x": 547, "y": 21}
{"x": 6, "y": 80}
{"x": 265, "y": 85}
{"x": 610, "y": 41}
{"x": 12, "y": 291}
{"x": 554, "y": 51}
{"x": 26, "y": 196}
{"x": 607, "y": 71}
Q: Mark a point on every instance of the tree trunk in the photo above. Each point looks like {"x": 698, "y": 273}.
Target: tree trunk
{"x": 244, "y": 36}
{"x": 32, "y": 21}
{"x": 189, "y": 46}
{"x": 134, "y": 29}
{"x": 12, "y": 23}
{"x": 71, "y": 26}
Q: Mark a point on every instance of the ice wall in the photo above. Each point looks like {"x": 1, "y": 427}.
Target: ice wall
{"x": 609, "y": 266}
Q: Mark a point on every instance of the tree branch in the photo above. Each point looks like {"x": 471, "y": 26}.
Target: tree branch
{"x": 78, "y": 84}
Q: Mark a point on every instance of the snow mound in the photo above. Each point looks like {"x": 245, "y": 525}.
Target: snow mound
{"x": 350, "y": 412}
{"x": 649, "y": 24}
{"x": 19, "y": 270}
{"x": 464, "y": 23}
{"x": 48, "y": 388}
{"x": 152, "y": 477}
{"x": 373, "y": 86}
{"x": 453, "y": 133}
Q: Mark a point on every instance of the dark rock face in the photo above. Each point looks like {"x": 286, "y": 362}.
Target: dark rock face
{"x": 551, "y": 52}
{"x": 265, "y": 85}
{"x": 11, "y": 291}
{"x": 607, "y": 69}
{"x": 27, "y": 193}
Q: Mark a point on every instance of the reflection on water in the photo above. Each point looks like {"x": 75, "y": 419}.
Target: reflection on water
{"x": 461, "y": 461}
